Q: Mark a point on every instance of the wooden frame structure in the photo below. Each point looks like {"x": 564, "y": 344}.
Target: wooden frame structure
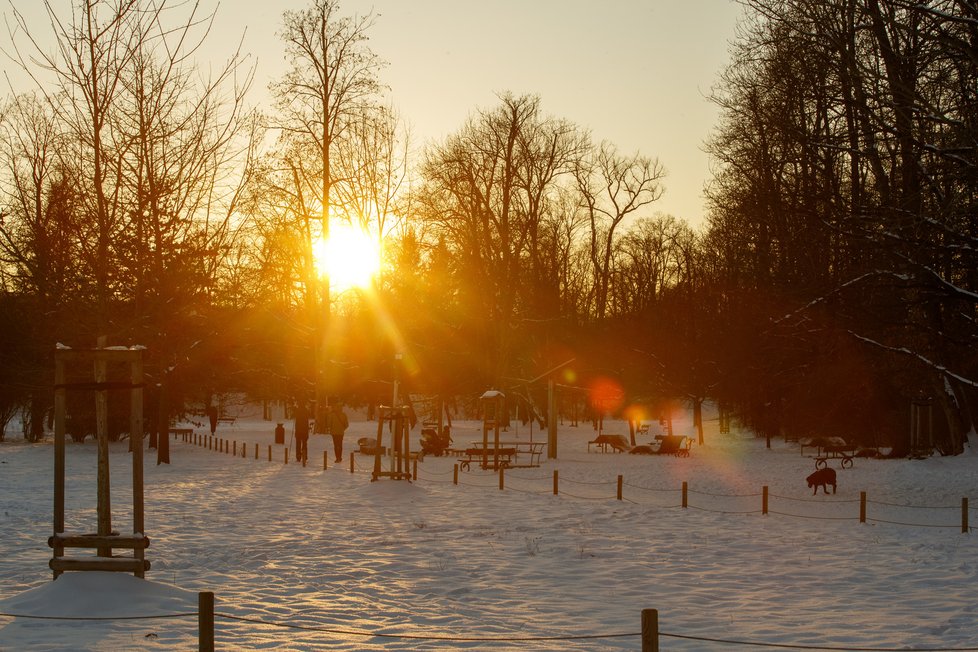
{"x": 400, "y": 448}
{"x": 493, "y": 407}
{"x": 104, "y": 539}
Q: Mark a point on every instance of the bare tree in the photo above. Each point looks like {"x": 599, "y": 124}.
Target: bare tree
{"x": 612, "y": 188}
{"x": 332, "y": 82}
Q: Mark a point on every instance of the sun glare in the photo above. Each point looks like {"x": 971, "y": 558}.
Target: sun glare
{"x": 349, "y": 258}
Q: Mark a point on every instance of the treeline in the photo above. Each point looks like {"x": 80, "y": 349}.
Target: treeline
{"x": 833, "y": 284}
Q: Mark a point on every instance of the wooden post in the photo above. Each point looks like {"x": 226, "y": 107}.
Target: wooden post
{"x": 685, "y": 494}
{"x": 862, "y": 506}
{"x": 205, "y": 621}
{"x": 455, "y": 476}
{"x": 59, "y": 454}
{"x": 555, "y": 482}
{"x": 352, "y": 464}
{"x": 764, "y": 499}
{"x": 502, "y": 474}
{"x": 102, "y": 436}
{"x": 964, "y": 515}
{"x": 551, "y": 422}
{"x": 620, "y": 477}
{"x": 136, "y": 442}
{"x": 650, "y": 630}
{"x": 325, "y": 456}
{"x": 414, "y": 469}
{"x": 256, "y": 450}
{"x": 286, "y": 455}
{"x": 269, "y": 452}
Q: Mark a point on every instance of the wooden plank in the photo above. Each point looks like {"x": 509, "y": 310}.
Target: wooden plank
{"x": 115, "y": 564}
{"x": 63, "y": 540}
{"x": 109, "y": 355}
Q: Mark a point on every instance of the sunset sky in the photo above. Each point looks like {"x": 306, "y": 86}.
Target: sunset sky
{"x": 634, "y": 72}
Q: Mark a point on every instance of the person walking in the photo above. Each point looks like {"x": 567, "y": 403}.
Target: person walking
{"x": 337, "y": 423}
{"x": 301, "y": 432}
{"x": 212, "y": 417}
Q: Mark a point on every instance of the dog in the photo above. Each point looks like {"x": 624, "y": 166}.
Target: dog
{"x": 822, "y": 478}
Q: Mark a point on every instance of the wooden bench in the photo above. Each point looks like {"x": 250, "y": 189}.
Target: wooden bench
{"x": 827, "y": 448}
{"x": 477, "y": 454}
{"x": 228, "y": 420}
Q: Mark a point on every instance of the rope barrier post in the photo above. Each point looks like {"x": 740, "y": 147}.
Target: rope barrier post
{"x": 650, "y": 630}
{"x": 352, "y": 463}
{"x": 324, "y": 460}
{"x": 556, "y": 482}
{"x": 269, "y": 452}
{"x": 685, "y": 494}
{"x": 286, "y": 455}
{"x": 415, "y": 469}
{"x": 205, "y": 621}
{"x": 256, "y": 450}
{"x": 502, "y": 473}
{"x": 964, "y": 515}
{"x": 619, "y": 486}
{"x": 862, "y": 506}
{"x": 455, "y": 476}
{"x": 764, "y": 499}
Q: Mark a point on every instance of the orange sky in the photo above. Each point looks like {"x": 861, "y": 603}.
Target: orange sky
{"x": 634, "y": 72}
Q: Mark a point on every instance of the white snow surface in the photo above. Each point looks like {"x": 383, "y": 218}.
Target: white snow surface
{"x": 305, "y": 559}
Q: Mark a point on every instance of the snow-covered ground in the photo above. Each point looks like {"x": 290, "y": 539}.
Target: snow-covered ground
{"x": 305, "y": 559}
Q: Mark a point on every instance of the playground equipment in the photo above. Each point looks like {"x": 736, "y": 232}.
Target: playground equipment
{"x": 399, "y": 452}
{"x": 104, "y": 540}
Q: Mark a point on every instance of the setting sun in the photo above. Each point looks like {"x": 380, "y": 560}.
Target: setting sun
{"x": 349, "y": 258}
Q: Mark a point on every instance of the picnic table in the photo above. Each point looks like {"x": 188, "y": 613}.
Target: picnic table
{"x": 677, "y": 445}
{"x": 533, "y": 449}
{"x": 617, "y": 443}
{"x": 487, "y": 456}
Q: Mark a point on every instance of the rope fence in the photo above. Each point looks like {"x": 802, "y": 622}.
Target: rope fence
{"x": 603, "y": 490}
{"x": 649, "y": 634}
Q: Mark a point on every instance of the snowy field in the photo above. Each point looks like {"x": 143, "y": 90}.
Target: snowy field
{"x": 305, "y": 559}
